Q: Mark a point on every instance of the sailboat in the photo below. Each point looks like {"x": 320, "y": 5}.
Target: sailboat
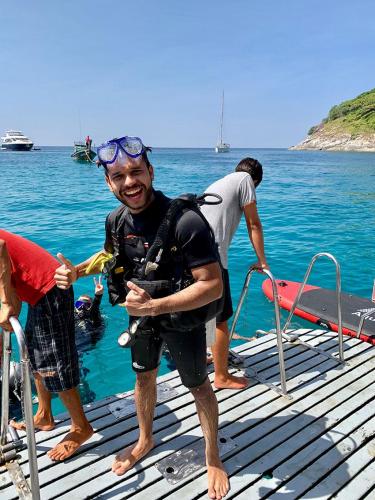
{"x": 222, "y": 147}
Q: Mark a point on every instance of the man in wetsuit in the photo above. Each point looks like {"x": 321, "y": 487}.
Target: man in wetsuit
{"x": 129, "y": 175}
{"x": 238, "y": 193}
{"x": 27, "y": 275}
{"x": 88, "y": 319}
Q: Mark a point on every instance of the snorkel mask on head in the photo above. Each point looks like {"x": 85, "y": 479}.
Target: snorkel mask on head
{"x": 119, "y": 150}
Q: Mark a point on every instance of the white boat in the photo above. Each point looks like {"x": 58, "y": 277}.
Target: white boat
{"x": 222, "y": 147}
{"x": 14, "y": 140}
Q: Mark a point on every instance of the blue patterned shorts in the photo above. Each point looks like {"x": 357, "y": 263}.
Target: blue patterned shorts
{"x": 50, "y": 340}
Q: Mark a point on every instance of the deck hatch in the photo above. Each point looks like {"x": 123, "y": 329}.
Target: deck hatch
{"x": 186, "y": 461}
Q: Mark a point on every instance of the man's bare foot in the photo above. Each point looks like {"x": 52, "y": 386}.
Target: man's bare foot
{"x": 70, "y": 443}
{"x": 218, "y": 482}
{"x": 231, "y": 382}
{"x": 130, "y": 456}
{"x": 40, "y": 423}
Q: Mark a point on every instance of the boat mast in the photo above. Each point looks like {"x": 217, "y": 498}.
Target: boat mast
{"x": 222, "y": 118}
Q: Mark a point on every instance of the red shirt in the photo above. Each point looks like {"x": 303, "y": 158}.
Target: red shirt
{"x": 33, "y": 267}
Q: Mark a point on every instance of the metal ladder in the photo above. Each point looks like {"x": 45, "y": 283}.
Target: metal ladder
{"x": 10, "y": 443}
{"x": 341, "y": 357}
{"x": 250, "y": 371}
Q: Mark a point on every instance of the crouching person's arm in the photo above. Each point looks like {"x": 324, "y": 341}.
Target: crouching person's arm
{"x": 10, "y": 303}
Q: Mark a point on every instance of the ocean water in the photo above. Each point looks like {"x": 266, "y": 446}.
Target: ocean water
{"x": 308, "y": 202}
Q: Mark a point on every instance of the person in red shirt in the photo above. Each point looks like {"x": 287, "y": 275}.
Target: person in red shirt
{"x": 88, "y": 142}
{"x": 27, "y": 275}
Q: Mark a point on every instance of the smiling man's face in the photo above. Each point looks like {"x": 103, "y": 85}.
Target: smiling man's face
{"x": 131, "y": 183}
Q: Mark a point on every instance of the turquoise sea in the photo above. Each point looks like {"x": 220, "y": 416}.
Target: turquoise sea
{"x": 308, "y": 202}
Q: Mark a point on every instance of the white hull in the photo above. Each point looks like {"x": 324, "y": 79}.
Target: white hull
{"x": 14, "y": 140}
{"x": 222, "y": 148}
{"x": 17, "y": 146}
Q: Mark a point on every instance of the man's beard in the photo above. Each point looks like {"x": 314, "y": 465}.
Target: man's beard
{"x": 148, "y": 193}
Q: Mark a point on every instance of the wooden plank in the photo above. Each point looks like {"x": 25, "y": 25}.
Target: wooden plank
{"x": 251, "y": 343}
{"x": 245, "y": 349}
{"x": 104, "y": 418}
{"x": 94, "y": 411}
{"x": 131, "y": 480}
{"x": 370, "y": 495}
{"x": 362, "y": 483}
{"x": 315, "y": 460}
{"x": 345, "y": 450}
{"x": 231, "y": 392}
{"x": 261, "y": 443}
{"x": 98, "y": 409}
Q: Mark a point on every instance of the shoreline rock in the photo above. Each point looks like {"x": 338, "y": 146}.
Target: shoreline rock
{"x": 349, "y": 126}
{"x": 323, "y": 141}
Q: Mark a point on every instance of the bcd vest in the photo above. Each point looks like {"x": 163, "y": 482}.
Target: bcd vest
{"x": 158, "y": 269}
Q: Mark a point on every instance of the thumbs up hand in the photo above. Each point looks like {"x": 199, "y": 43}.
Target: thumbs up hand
{"x": 66, "y": 274}
{"x": 138, "y": 302}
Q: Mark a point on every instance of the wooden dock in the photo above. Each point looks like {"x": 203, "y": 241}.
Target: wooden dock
{"x": 318, "y": 444}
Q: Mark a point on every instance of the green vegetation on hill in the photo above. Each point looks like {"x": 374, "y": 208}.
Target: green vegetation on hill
{"x": 356, "y": 116}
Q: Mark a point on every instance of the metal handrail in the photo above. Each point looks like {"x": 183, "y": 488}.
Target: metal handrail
{"x": 280, "y": 349}
{"x": 338, "y": 292}
{"x": 27, "y": 400}
{"x": 5, "y": 388}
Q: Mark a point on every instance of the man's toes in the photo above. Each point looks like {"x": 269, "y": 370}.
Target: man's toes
{"x": 211, "y": 493}
{"x": 17, "y": 425}
{"x": 120, "y": 470}
{"x": 116, "y": 464}
{"x": 117, "y": 468}
{"x": 52, "y": 454}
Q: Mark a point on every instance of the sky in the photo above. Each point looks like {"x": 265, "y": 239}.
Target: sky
{"x": 157, "y": 68}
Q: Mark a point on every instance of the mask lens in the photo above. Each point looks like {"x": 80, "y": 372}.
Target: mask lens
{"x": 107, "y": 153}
{"x": 132, "y": 145}
{"x": 80, "y": 305}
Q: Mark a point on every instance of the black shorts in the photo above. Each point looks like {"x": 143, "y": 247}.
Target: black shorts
{"x": 227, "y": 311}
{"x": 50, "y": 340}
{"x": 187, "y": 349}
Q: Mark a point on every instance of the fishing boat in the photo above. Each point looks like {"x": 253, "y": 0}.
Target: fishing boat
{"x": 222, "y": 147}
{"x": 82, "y": 151}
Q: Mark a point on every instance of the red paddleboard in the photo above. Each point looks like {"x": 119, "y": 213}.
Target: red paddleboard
{"x": 319, "y": 305}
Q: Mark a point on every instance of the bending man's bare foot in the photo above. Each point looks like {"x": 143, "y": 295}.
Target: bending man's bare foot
{"x": 70, "y": 443}
{"x": 218, "y": 482}
{"x": 40, "y": 423}
{"x": 130, "y": 456}
{"x": 231, "y": 382}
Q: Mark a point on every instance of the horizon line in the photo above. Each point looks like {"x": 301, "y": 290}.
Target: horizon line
{"x": 170, "y": 147}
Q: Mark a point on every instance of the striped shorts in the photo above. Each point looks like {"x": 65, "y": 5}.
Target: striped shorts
{"x": 50, "y": 340}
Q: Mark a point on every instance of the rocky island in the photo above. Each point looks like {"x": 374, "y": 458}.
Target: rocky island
{"x": 349, "y": 126}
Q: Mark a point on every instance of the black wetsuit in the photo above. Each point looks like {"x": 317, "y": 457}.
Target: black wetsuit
{"x": 89, "y": 326}
{"x": 193, "y": 237}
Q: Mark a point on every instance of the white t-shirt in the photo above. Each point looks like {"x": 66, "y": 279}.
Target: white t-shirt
{"x": 237, "y": 190}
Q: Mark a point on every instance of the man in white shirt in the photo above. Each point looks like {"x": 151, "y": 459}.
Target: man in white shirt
{"x": 238, "y": 193}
